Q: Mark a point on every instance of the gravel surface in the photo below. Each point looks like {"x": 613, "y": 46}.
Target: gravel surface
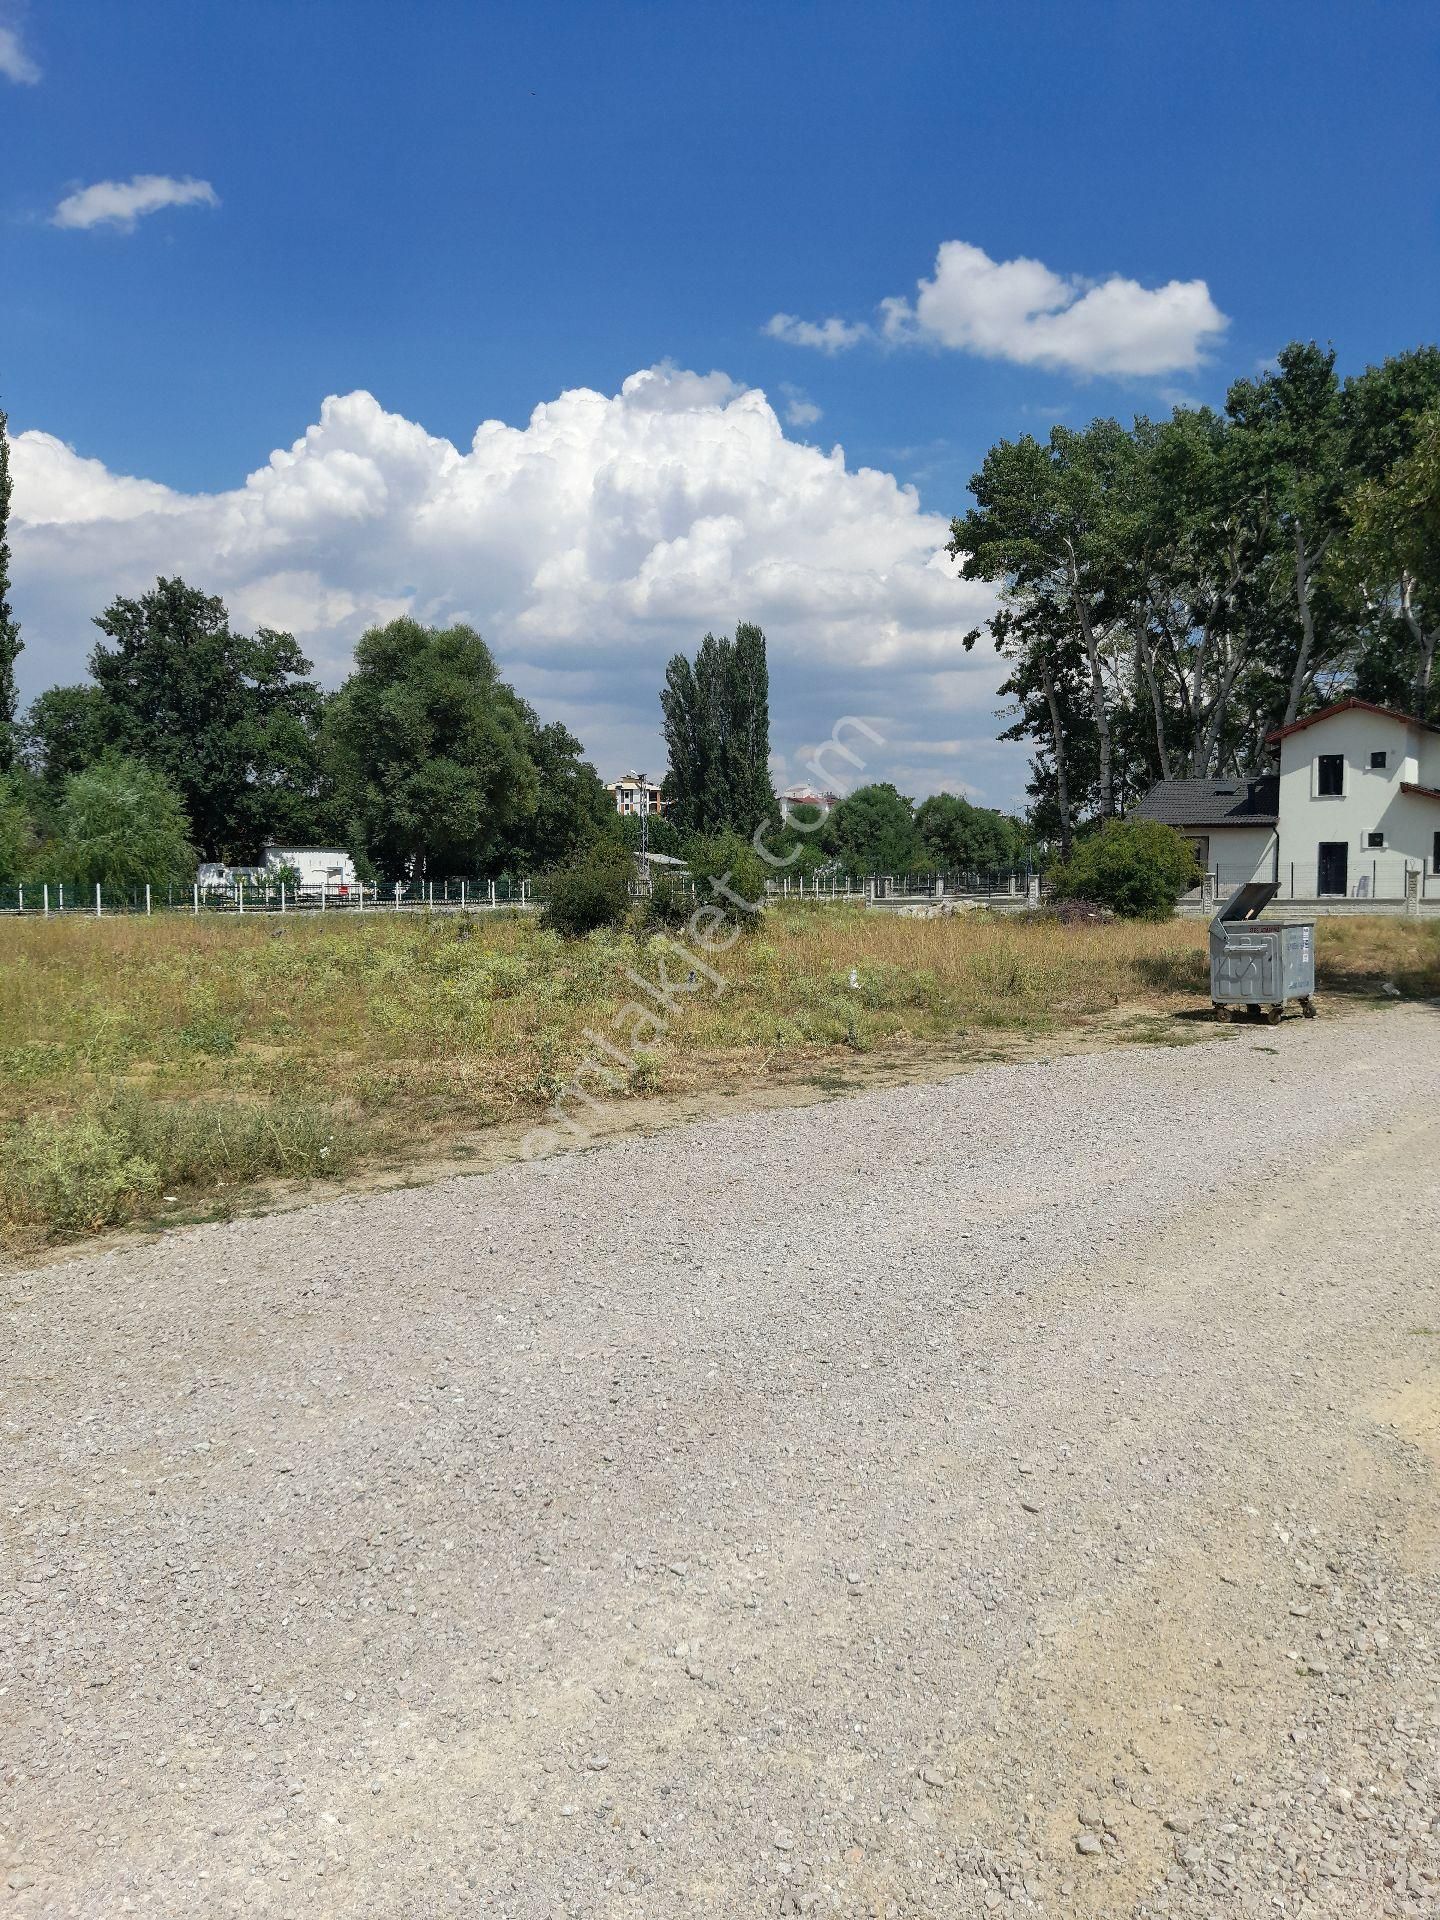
{"x": 1016, "y": 1494}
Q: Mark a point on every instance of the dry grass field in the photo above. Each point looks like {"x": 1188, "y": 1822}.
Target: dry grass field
{"x": 150, "y": 1066}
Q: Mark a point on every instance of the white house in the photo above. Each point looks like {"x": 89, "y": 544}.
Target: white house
{"x": 635, "y": 794}
{"x": 1354, "y": 807}
{"x": 316, "y": 866}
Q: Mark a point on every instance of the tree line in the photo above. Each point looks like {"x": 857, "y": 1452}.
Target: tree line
{"x": 191, "y": 740}
{"x": 1173, "y": 591}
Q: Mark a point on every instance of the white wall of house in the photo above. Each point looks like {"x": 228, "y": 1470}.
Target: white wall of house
{"x": 1236, "y": 854}
{"x": 1370, "y": 801}
{"x": 316, "y": 866}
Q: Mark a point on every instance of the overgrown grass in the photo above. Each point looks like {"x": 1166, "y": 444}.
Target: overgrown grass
{"x": 141, "y": 1060}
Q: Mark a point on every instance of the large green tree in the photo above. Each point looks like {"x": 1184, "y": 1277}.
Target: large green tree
{"x": 957, "y": 834}
{"x": 872, "y": 830}
{"x": 229, "y": 719}
{"x": 573, "y": 806}
{"x": 430, "y": 753}
{"x": 10, "y": 641}
{"x": 120, "y": 824}
{"x": 65, "y": 730}
{"x": 716, "y": 715}
{"x": 1392, "y": 554}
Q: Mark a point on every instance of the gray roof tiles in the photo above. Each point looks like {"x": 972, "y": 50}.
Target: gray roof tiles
{"x": 1238, "y": 802}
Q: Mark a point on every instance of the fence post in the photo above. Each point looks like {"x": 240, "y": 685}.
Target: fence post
{"x": 462, "y": 896}
{"x": 47, "y": 899}
{"x": 361, "y": 885}
{"x": 324, "y": 889}
{"x": 240, "y": 895}
{"x": 195, "y": 893}
{"x": 22, "y": 899}
{"x": 97, "y": 899}
{"x": 147, "y": 899}
{"x": 282, "y": 896}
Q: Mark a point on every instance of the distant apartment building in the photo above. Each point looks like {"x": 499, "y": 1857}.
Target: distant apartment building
{"x": 635, "y": 794}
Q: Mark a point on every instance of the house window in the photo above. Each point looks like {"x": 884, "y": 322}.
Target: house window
{"x": 1374, "y": 839}
{"x": 1379, "y": 760}
{"x": 1330, "y": 774}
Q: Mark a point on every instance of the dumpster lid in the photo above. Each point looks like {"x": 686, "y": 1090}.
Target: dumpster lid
{"x": 1250, "y": 901}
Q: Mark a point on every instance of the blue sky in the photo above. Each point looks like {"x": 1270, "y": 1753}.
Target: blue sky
{"x": 466, "y": 211}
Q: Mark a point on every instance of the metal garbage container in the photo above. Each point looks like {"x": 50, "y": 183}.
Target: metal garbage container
{"x": 1260, "y": 964}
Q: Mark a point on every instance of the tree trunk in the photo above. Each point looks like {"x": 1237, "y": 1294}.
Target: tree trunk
{"x": 1062, "y": 785}
{"x": 1307, "y": 626}
{"x": 1425, "y": 643}
{"x": 1157, "y": 705}
{"x": 1097, "y": 687}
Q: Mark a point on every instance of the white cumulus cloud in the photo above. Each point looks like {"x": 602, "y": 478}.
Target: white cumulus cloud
{"x": 587, "y": 545}
{"x": 15, "y": 62}
{"x": 120, "y": 203}
{"x": 1023, "y": 311}
{"x": 826, "y": 336}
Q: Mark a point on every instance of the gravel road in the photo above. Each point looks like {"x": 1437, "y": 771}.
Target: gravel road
{"x": 1017, "y": 1493}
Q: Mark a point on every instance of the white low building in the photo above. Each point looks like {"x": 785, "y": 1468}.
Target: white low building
{"x": 328, "y": 867}
{"x": 1354, "y": 808}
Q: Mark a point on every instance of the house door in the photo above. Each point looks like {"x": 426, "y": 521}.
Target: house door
{"x": 1334, "y": 863}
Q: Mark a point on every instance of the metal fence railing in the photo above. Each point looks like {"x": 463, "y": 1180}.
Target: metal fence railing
{"x": 1358, "y": 876}
{"x": 46, "y": 898}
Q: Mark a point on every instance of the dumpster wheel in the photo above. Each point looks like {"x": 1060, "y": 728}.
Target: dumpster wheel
{"x": 1273, "y": 1014}
{"x": 1307, "y": 1007}
{"x": 1223, "y": 1013}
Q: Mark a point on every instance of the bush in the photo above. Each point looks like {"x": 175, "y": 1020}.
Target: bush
{"x": 726, "y": 865}
{"x": 670, "y": 903}
{"x": 1138, "y": 868}
{"x": 595, "y": 894}
{"x": 121, "y": 824}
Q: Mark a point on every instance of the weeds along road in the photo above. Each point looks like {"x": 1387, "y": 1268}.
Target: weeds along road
{"x": 1017, "y": 1493}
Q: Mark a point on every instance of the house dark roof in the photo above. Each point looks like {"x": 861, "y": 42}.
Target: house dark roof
{"x": 1214, "y": 803}
{"x": 1349, "y": 706}
{"x": 1425, "y": 793}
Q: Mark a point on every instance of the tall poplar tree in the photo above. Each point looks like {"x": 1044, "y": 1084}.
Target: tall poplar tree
{"x": 10, "y": 641}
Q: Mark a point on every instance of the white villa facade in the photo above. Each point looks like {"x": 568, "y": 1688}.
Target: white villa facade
{"x": 1354, "y": 807}
{"x": 635, "y": 794}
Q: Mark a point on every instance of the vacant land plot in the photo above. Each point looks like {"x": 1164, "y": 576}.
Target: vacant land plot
{"x": 1019, "y": 1493}
{"x": 153, "y": 1066}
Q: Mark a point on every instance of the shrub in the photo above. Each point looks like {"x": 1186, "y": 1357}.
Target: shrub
{"x": 73, "y": 1175}
{"x": 595, "y": 894}
{"x": 121, "y": 824}
{"x": 670, "y": 903}
{"x": 1138, "y": 868}
{"x": 724, "y": 866}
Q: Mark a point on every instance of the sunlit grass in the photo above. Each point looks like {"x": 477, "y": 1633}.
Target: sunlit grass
{"x": 145, "y": 1059}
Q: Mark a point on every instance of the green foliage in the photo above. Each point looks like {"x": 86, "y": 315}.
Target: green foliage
{"x": 114, "y": 1160}
{"x": 121, "y": 824}
{"x": 596, "y": 893}
{"x": 573, "y": 807}
{"x": 955, "y": 834}
{"x": 1173, "y": 592}
{"x": 430, "y": 754}
{"x": 229, "y": 720}
{"x": 873, "y": 831}
{"x": 717, "y": 734}
{"x": 670, "y": 903}
{"x": 10, "y": 641}
{"x": 728, "y": 873}
{"x": 660, "y": 832}
{"x": 1137, "y": 868}
{"x": 17, "y": 831}
{"x": 73, "y": 1176}
{"x": 65, "y": 731}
